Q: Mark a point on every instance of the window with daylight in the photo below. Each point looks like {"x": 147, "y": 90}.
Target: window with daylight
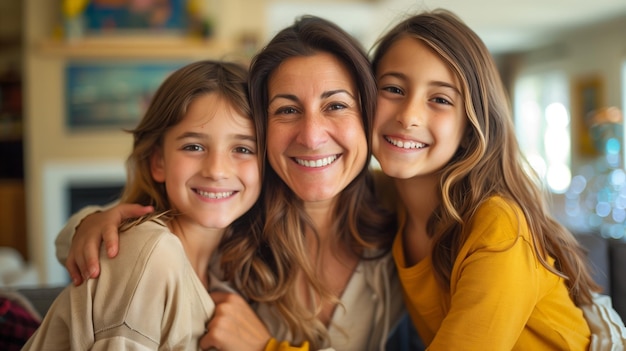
{"x": 542, "y": 124}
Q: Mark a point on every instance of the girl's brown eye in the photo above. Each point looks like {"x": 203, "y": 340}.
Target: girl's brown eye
{"x": 442, "y": 101}
{"x": 244, "y": 150}
{"x": 193, "y": 147}
{"x": 393, "y": 90}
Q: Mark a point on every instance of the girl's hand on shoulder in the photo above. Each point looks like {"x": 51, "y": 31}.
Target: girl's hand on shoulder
{"x": 234, "y": 326}
{"x": 83, "y": 259}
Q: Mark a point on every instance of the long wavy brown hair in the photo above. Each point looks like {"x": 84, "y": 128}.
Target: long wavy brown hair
{"x": 167, "y": 108}
{"x": 264, "y": 264}
{"x": 491, "y": 162}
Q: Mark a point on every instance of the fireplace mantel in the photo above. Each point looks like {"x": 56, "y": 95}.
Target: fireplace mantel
{"x": 58, "y": 177}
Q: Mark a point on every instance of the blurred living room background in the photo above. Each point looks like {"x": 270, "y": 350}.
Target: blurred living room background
{"x": 75, "y": 73}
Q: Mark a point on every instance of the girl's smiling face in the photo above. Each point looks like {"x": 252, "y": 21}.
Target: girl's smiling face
{"x": 209, "y": 164}
{"x": 420, "y": 118}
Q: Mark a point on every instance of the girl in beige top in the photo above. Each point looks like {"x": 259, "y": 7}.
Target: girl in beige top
{"x": 195, "y": 161}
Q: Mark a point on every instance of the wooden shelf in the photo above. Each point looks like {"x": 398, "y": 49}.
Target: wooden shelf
{"x": 135, "y": 47}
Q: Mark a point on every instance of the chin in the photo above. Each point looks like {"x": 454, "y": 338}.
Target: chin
{"x": 396, "y": 172}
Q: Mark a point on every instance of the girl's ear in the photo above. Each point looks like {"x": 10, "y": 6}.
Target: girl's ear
{"x": 157, "y": 165}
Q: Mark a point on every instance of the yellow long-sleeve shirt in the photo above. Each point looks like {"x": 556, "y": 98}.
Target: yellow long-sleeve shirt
{"x": 500, "y": 296}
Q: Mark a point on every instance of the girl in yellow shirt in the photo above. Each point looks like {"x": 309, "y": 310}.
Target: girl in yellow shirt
{"x": 482, "y": 263}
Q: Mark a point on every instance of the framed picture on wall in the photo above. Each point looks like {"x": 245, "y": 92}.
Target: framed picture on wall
{"x": 131, "y": 16}
{"x": 111, "y": 95}
{"x": 588, "y": 97}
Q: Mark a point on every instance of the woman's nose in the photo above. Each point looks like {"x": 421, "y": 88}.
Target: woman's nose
{"x": 313, "y": 131}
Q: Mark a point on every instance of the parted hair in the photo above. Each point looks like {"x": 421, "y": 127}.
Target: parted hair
{"x": 271, "y": 259}
{"x": 167, "y": 108}
{"x": 489, "y": 161}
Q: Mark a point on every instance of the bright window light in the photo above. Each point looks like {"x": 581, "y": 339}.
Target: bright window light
{"x": 542, "y": 125}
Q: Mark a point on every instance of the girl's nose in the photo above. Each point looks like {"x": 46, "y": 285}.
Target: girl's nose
{"x": 411, "y": 113}
{"x": 217, "y": 165}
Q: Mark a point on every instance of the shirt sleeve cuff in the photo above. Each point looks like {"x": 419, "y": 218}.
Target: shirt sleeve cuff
{"x": 275, "y": 345}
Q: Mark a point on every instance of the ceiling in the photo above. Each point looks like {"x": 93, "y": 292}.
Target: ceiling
{"x": 505, "y": 25}
{"x": 514, "y": 25}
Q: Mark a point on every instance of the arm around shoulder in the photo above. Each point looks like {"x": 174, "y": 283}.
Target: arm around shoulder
{"x": 63, "y": 240}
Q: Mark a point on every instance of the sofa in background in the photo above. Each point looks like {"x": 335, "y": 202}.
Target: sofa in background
{"x": 607, "y": 258}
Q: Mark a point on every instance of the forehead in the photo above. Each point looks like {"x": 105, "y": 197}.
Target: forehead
{"x": 320, "y": 69}
{"x": 408, "y": 50}
{"x": 213, "y": 107}
{"x": 413, "y": 54}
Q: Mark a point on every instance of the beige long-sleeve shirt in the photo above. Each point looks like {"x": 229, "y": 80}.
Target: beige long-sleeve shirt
{"x": 147, "y": 298}
{"x": 371, "y": 304}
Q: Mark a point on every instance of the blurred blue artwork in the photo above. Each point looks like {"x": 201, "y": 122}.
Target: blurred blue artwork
{"x": 133, "y": 15}
{"x": 112, "y": 94}
{"x": 596, "y": 199}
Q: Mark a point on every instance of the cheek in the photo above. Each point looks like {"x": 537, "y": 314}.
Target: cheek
{"x": 378, "y": 118}
{"x": 356, "y": 130}
{"x": 460, "y": 126}
{"x": 384, "y": 111}
{"x": 252, "y": 177}
{"x": 451, "y": 130}
{"x": 277, "y": 138}
{"x": 355, "y": 139}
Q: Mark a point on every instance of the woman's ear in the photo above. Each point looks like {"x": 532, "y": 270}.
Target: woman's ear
{"x": 157, "y": 165}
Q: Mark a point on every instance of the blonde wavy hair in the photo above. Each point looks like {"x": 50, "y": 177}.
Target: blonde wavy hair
{"x": 489, "y": 161}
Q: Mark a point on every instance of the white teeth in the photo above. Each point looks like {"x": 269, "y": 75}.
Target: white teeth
{"x": 215, "y": 195}
{"x": 405, "y": 144}
{"x": 317, "y": 163}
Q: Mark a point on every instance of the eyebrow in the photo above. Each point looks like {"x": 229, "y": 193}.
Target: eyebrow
{"x": 330, "y": 93}
{"x": 324, "y": 95}
{"x": 437, "y": 83}
{"x": 204, "y": 136}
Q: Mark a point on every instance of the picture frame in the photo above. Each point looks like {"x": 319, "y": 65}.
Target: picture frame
{"x": 115, "y": 17}
{"x": 588, "y": 96}
{"x": 111, "y": 94}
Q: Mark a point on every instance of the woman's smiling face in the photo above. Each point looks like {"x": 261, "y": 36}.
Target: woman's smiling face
{"x": 315, "y": 138}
